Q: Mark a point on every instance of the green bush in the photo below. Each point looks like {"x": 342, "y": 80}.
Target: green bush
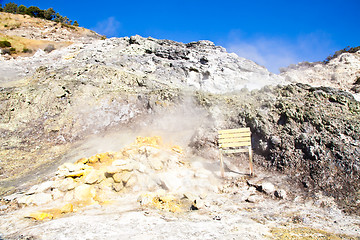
{"x": 12, "y": 50}
{"x": 5, "y": 44}
{"x": 34, "y": 11}
{"x": 26, "y": 50}
{"x": 21, "y": 9}
{"x": 10, "y": 7}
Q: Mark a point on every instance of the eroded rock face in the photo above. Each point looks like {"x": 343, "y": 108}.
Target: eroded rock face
{"x": 341, "y": 72}
{"x": 312, "y": 134}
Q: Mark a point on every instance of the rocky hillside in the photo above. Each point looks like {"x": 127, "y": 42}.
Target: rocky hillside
{"x": 342, "y": 72}
{"x": 310, "y": 133}
{"x": 96, "y": 96}
{"x": 27, "y": 34}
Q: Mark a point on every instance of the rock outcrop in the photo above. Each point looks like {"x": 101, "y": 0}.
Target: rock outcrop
{"x": 342, "y": 72}
{"x": 310, "y": 133}
{"x": 53, "y": 105}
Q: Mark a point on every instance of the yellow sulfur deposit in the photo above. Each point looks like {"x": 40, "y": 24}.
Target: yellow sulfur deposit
{"x": 51, "y": 213}
{"x": 162, "y": 202}
{"x": 102, "y": 177}
{"x": 40, "y": 216}
{"x": 155, "y": 141}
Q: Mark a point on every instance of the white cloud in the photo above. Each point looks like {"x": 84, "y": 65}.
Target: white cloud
{"x": 276, "y": 52}
{"x": 109, "y": 27}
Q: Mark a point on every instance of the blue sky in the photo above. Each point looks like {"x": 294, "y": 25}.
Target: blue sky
{"x": 272, "y": 33}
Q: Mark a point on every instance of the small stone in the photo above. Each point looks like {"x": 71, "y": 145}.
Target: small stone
{"x": 131, "y": 181}
{"x": 40, "y": 188}
{"x": 118, "y": 186}
{"x": 69, "y": 196}
{"x": 155, "y": 163}
{"x": 113, "y": 169}
{"x": 254, "y": 199}
{"x": 170, "y": 182}
{"x": 93, "y": 177}
{"x": 84, "y": 192}
{"x": 122, "y": 177}
{"x": 13, "y": 197}
{"x": 67, "y": 184}
{"x": 116, "y": 169}
{"x": 104, "y": 157}
{"x": 82, "y": 160}
{"x": 23, "y": 200}
{"x": 56, "y": 194}
{"x": 93, "y": 159}
{"x": 71, "y": 167}
{"x": 67, "y": 208}
{"x": 119, "y": 162}
{"x": 281, "y": 194}
{"x": 268, "y": 188}
{"x": 37, "y": 199}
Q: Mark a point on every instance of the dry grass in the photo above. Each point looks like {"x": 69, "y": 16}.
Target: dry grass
{"x": 25, "y": 32}
{"x": 20, "y": 43}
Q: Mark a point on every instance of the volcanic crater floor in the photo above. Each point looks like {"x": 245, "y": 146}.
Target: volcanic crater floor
{"x": 155, "y": 190}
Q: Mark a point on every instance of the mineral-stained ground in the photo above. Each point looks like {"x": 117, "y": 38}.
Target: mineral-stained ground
{"x": 117, "y": 139}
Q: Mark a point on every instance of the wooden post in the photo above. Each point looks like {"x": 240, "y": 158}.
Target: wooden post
{"x": 222, "y": 165}
{"x": 251, "y": 162}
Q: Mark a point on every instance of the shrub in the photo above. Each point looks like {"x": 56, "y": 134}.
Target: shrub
{"x": 1, "y": 9}
{"x": 49, "y": 48}
{"x": 21, "y": 9}
{"x": 76, "y": 23}
{"x": 49, "y": 14}
{"x": 26, "y": 50}
{"x": 12, "y": 50}
{"x": 5, "y": 44}
{"x": 35, "y": 12}
{"x": 10, "y": 7}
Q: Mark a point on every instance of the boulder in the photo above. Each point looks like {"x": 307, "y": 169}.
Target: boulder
{"x": 94, "y": 176}
{"x": 84, "y": 192}
{"x": 118, "y": 186}
{"x": 268, "y": 188}
{"x": 124, "y": 176}
{"x": 40, "y": 188}
{"x": 66, "y": 184}
{"x": 281, "y": 193}
{"x": 37, "y": 199}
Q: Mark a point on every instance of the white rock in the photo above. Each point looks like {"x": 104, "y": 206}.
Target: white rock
{"x": 170, "y": 181}
{"x": 268, "y": 188}
{"x": 56, "y": 194}
{"x": 119, "y": 162}
{"x": 281, "y": 194}
{"x": 37, "y": 199}
{"x": 40, "y": 188}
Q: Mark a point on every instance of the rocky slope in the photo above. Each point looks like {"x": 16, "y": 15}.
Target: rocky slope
{"x": 342, "y": 72}
{"x": 310, "y": 133}
{"x": 97, "y": 96}
{"x": 27, "y": 34}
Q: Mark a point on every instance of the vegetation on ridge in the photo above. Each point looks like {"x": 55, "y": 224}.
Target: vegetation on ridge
{"x": 339, "y": 52}
{"x": 34, "y": 11}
